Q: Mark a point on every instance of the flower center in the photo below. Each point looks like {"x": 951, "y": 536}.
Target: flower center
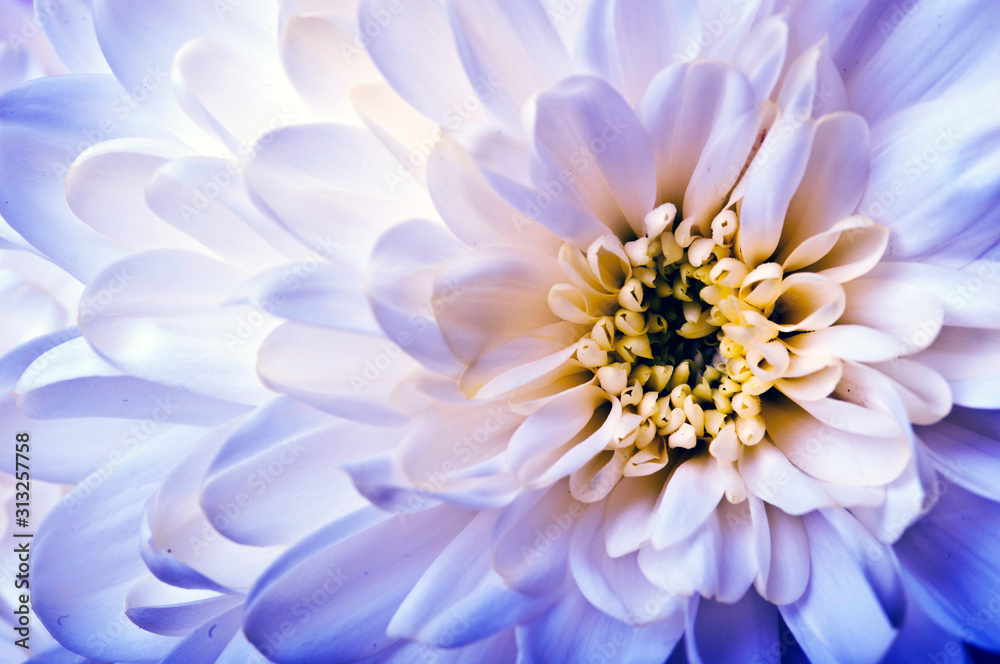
{"x": 678, "y": 329}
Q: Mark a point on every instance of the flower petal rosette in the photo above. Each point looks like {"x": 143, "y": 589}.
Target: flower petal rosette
{"x": 688, "y": 354}
{"x": 629, "y": 322}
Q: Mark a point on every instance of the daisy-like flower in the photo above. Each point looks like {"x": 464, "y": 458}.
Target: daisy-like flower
{"x": 695, "y": 339}
{"x": 685, "y": 344}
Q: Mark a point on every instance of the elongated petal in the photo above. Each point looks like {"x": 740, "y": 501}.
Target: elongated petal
{"x": 688, "y": 498}
{"x": 140, "y": 40}
{"x": 832, "y": 454}
{"x": 365, "y": 564}
{"x": 485, "y": 296}
{"x": 629, "y": 42}
{"x": 684, "y": 135}
{"x": 39, "y": 148}
{"x": 532, "y": 538}
{"x": 952, "y": 44}
{"x": 401, "y": 286}
{"x": 160, "y": 316}
{"x": 617, "y": 585}
{"x": 782, "y": 548}
{"x": 717, "y": 560}
{"x": 413, "y": 48}
{"x": 964, "y": 449}
{"x": 337, "y": 205}
{"x": 81, "y": 603}
{"x": 561, "y": 436}
{"x": 591, "y": 146}
{"x": 932, "y": 159}
{"x": 345, "y": 373}
{"x": 834, "y": 179}
{"x": 838, "y": 618}
{"x": 947, "y": 554}
{"x": 510, "y": 51}
{"x": 460, "y": 599}
{"x": 573, "y": 630}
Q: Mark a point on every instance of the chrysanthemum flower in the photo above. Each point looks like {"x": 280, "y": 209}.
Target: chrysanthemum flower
{"x": 689, "y": 335}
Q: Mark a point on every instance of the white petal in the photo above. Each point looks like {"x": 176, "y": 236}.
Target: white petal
{"x": 970, "y": 297}
{"x": 832, "y": 454}
{"x": 520, "y": 361}
{"x": 616, "y": 585}
{"x": 631, "y": 511}
{"x": 839, "y": 618}
{"x": 448, "y": 443}
{"x": 401, "y": 288}
{"x": 685, "y": 136}
{"x": 532, "y": 538}
{"x": 769, "y": 184}
{"x": 491, "y": 295}
{"x": 81, "y": 384}
{"x": 849, "y": 249}
{"x": 159, "y": 316}
{"x": 205, "y": 644}
{"x": 324, "y": 63}
{"x": 826, "y": 18}
{"x": 953, "y": 47}
{"x": 39, "y": 148}
{"x": 561, "y": 436}
{"x": 106, "y": 186}
{"x": 689, "y": 497}
{"x": 179, "y": 526}
{"x": 880, "y": 567}
{"x": 924, "y": 392}
{"x": 350, "y": 374}
{"x": 962, "y": 353}
{"x": 907, "y": 498}
{"x": 930, "y": 160}
{"x": 472, "y": 210}
{"x": 782, "y": 553}
{"x": 770, "y": 475}
{"x": 965, "y": 451}
{"x": 505, "y": 162}
{"x": 406, "y": 134}
{"x": 762, "y": 55}
{"x": 573, "y": 631}
{"x": 460, "y": 599}
{"x": 594, "y": 153}
{"x": 413, "y": 47}
{"x": 384, "y": 484}
{"x": 140, "y": 41}
{"x": 286, "y": 455}
{"x": 903, "y": 310}
{"x": 834, "y": 179}
{"x": 847, "y": 342}
{"x": 510, "y": 52}
{"x": 301, "y": 180}
{"x": 808, "y": 301}
{"x": 69, "y": 28}
{"x": 84, "y": 600}
{"x": 365, "y": 565}
{"x": 206, "y": 198}
{"x": 717, "y": 560}
{"x": 207, "y": 81}
{"x": 314, "y": 292}
{"x": 641, "y": 38}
